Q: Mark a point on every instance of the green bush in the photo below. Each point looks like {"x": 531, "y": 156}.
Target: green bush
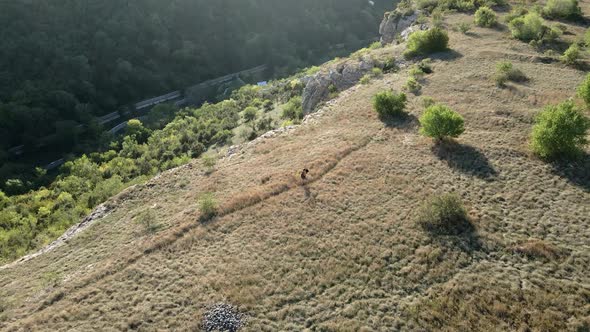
{"x": 376, "y": 72}
{"x": 425, "y": 42}
{"x": 464, "y": 27}
{"x": 444, "y": 215}
{"x": 584, "y": 91}
{"x": 560, "y": 131}
{"x": 207, "y": 206}
{"x": 250, "y": 114}
{"x": 506, "y": 72}
{"x": 209, "y": 162}
{"x": 440, "y": 121}
{"x": 293, "y": 109}
{"x": 376, "y": 45}
{"x": 485, "y": 17}
{"x": 571, "y": 55}
{"x": 528, "y": 27}
{"x": 427, "y": 101}
{"x": 562, "y": 9}
{"x": 412, "y": 85}
{"x": 389, "y": 66}
{"x": 365, "y": 79}
{"x": 148, "y": 220}
{"x": 587, "y": 38}
{"x": 387, "y": 103}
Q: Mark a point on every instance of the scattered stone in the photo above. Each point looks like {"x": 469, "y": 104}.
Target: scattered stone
{"x": 223, "y": 317}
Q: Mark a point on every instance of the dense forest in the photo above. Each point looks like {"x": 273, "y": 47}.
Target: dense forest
{"x": 65, "y": 62}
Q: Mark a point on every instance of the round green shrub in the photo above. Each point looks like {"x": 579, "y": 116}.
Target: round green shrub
{"x": 528, "y": 27}
{"x": 506, "y": 72}
{"x": 444, "y": 215}
{"x": 562, "y": 9}
{"x": 485, "y": 17}
{"x": 440, "y": 121}
{"x": 293, "y": 109}
{"x": 387, "y": 103}
{"x": 250, "y": 114}
{"x": 425, "y": 42}
{"x": 571, "y": 55}
{"x": 560, "y": 131}
{"x": 584, "y": 91}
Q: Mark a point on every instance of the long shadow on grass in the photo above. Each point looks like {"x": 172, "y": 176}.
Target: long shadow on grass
{"x": 576, "y": 172}
{"x": 465, "y": 159}
{"x": 463, "y": 236}
{"x": 446, "y": 55}
{"x": 405, "y": 121}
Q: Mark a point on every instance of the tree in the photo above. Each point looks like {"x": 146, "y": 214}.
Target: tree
{"x": 137, "y": 131}
{"x": 440, "y": 121}
{"x": 560, "y": 131}
{"x": 387, "y": 103}
{"x": 250, "y": 114}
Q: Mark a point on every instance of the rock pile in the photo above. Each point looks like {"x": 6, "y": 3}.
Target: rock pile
{"x": 223, "y": 317}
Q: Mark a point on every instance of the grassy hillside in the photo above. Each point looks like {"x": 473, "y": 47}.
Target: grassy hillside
{"x": 344, "y": 251}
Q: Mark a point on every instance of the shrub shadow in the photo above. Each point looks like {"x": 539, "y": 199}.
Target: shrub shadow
{"x": 446, "y": 55}
{"x": 467, "y": 241}
{"x": 464, "y": 158}
{"x": 576, "y": 172}
{"x": 406, "y": 121}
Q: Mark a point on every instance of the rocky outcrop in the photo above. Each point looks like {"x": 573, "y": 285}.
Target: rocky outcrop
{"x": 394, "y": 23}
{"x": 408, "y": 31}
{"x": 338, "y": 78}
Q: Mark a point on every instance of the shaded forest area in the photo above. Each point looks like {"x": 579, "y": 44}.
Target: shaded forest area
{"x": 65, "y": 62}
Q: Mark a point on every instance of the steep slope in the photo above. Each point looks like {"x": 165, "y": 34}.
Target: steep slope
{"x": 343, "y": 252}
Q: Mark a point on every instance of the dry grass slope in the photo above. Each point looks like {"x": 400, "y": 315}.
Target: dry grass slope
{"x": 343, "y": 252}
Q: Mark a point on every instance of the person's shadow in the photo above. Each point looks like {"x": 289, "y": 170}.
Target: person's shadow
{"x": 465, "y": 159}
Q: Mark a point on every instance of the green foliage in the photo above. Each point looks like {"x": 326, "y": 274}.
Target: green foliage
{"x": 464, "y": 27}
{"x": 14, "y": 187}
{"x": 207, "y": 206}
{"x": 427, "y": 101}
{"x": 426, "y": 42}
{"x": 444, "y": 215}
{"x": 365, "y": 79}
{"x": 376, "y": 72}
{"x": 209, "y": 162}
{"x": 412, "y": 85}
{"x": 440, "y": 121}
{"x": 137, "y": 131}
{"x": 584, "y": 91}
{"x": 571, "y": 55}
{"x": 160, "y": 115}
{"x": 390, "y": 66}
{"x": 250, "y": 114}
{"x": 568, "y": 9}
{"x": 375, "y": 46}
{"x": 485, "y": 17}
{"x": 515, "y": 12}
{"x": 506, "y": 72}
{"x": 91, "y": 59}
{"x": 560, "y": 131}
{"x": 528, "y": 27}
{"x": 293, "y": 109}
{"x": 587, "y": 38}
{"x": 387, "y": 103}
{"x": 149, "y": 221}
